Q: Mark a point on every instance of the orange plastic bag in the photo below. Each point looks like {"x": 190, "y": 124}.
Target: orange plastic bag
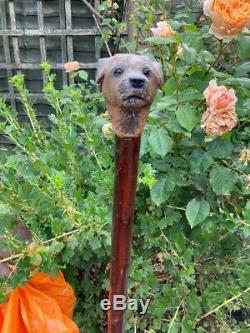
{"x": 44, "y": 305}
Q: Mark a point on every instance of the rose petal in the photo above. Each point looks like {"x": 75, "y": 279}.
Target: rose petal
{"x": 229, "y": 17}
{"x": 71, "y": 66}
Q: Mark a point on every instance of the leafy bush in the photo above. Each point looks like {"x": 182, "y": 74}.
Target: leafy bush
{"x": 191, "y": 234}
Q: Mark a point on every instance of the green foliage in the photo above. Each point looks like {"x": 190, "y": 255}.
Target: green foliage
{"x": 197, "y": 211}
{"x": 192, "y": 223}
{"x": 160, "y": 142}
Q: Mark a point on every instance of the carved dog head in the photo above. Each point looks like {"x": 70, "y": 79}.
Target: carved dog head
{"x": 129, "y": 83}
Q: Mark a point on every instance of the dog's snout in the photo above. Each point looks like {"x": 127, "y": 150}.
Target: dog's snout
{"x": 137, "y": 82}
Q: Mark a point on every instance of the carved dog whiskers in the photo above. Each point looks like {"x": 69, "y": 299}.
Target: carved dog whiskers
{"x": 129, "y": 83}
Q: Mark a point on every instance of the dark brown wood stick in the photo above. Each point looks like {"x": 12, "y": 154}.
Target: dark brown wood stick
{"x": 126, "y": 170}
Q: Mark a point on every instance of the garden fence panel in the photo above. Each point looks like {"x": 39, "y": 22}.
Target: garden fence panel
{"x": 34, "y": 31}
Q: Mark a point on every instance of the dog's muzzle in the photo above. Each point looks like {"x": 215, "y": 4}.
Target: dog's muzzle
{"x": 134, "y": 92}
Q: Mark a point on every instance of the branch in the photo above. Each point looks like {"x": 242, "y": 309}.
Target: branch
{"x": 92, "y": 9}
{"x": 15, "y": 256}
{"x": 174, "y": 317}
{"x": 223, "y": 304}
{"x": 97, "y": 16}
{"x": 100, "y": 30}
{"x": 19, "y": 255}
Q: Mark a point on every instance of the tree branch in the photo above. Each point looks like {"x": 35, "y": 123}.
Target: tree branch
{"x": 92, "y": 9}
{"x": 100, "y": 30}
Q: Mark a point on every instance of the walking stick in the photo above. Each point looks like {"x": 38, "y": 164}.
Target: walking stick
{"x": 129, "y": 84}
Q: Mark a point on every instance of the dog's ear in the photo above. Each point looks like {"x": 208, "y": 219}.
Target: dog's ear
{"x": 159, "y": 73}
{"x": 101, "y": 66}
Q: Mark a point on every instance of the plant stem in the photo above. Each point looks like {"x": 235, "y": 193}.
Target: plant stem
{"x": 174, "y": 317}
{"x": 22, "y": 254}
{"x": 216, "y": 59}
{"x": 100, "y": 30}
{"x": 223, "y": 304}
{"x": 92, "y": 9}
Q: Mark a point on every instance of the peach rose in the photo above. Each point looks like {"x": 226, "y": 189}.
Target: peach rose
{"x": 219, "y": 97}
{"x": 229, "y": 17}
{"x": 163, "y": 30}
{"x": 220, "y": 116}
{"x": 71, "y": 66}
{"x": 218, "y": 123}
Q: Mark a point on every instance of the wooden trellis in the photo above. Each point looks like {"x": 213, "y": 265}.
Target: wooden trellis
{"x": 11, "y": 34}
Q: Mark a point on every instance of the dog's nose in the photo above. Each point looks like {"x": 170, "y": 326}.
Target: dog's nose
{"x": 137, "y": 82}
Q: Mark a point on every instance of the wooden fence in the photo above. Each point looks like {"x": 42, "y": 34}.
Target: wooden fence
{"x": 34, "y": 31}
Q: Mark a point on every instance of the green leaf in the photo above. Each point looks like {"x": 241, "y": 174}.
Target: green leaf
{"x": 36, "y": 260}
{"x": 187, "y": 118}
{"x": 220, "y": 148}
{"x": 162, "y": 189}
{"x": 144, "y": 144}
{"x": 164, "y": 40}
{"x": 58, "y": 179}
{"x": 243, "y": 47}
{"x": 190, "y": 95}
{"x": 193, "y": 303}
{"x": 222, "y": 180}
{"x": 83, "y": 75}
{"x": 56, "y": 247}
{"x": 242, "y": 81}
{"x": 187, "y": 325}
{"x": 190, "y": 54}
{"x": 193, "y": 40}
{"x": 200, "y": 161}
{"x": 197, "y": 211}
{"x": 4, "y": 210}
{"x": 247, "y": 211}
{"x": 243, "y": 68}
{"x": 160, "y": 142}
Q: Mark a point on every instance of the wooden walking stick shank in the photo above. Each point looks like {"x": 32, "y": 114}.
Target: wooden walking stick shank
{"x": 129, "y": 83}
{"x": 127, "y": 156}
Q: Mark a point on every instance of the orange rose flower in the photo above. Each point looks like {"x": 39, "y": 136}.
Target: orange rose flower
{"x": 219, "y": 97}
{"x": 220, "y": 116}
{"x": 71, "y": 66}
{"x": 218, "y": 123}
{"x": 163, "y": 30}
{"x": 229, "y": 17}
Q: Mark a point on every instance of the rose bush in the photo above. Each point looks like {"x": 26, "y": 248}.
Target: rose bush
{"x": 191, "y": 234}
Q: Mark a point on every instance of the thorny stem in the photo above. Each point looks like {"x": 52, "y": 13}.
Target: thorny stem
{"x": 182, "y": 208}
{"x": 223, "y": 304}
{"x": 92, "y": 9}
{"x": 100, "y": 30}
{"x": 217, "y": 58}
{"x": 174, "y": 72}
{"x": 91, "y": 148}
{"x": 22, "y": 254}
{"x": 173, "y": 250}
{"x": 234, "y": 168}
{"x": 174, "y": 317}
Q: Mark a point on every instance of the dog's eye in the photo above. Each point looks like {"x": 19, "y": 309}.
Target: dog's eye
{"x": 118, "y": 71}
{"x": 146, "y": 71}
